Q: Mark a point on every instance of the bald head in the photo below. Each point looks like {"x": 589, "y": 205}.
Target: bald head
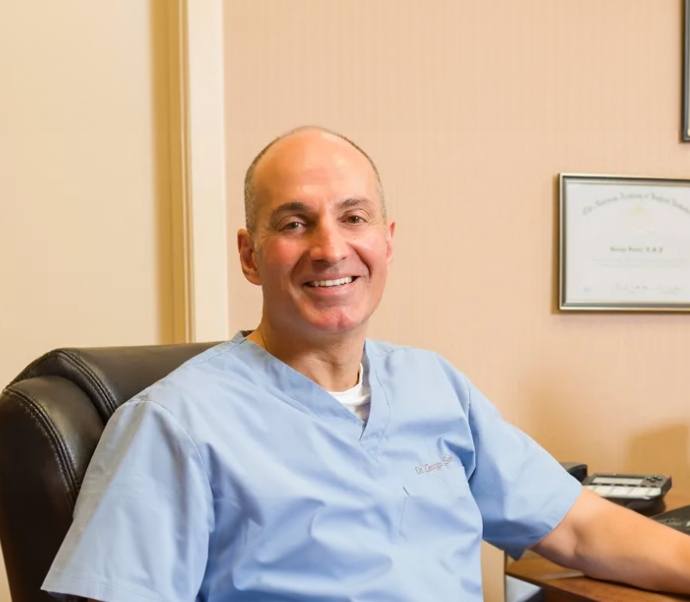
{"x": 295, "y": 141}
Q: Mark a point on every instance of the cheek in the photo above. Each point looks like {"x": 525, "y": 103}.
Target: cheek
{"x": 375, "y": 254}
{"x": 277, "y": 258}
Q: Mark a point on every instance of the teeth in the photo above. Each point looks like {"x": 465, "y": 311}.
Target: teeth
{"x": 337, "y": 282}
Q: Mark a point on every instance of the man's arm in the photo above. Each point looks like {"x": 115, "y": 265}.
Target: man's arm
{"x": 610, "y": 542}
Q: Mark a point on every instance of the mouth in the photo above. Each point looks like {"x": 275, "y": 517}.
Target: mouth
{"x": 331, "y": 283}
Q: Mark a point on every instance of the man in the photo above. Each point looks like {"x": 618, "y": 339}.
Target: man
{"x": 302, "y": 461}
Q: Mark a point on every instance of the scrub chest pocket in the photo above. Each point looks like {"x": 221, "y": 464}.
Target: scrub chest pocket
{"x": 437, "y": 501}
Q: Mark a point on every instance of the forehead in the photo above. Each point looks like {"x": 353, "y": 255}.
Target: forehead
{"x": 313, "y": 165}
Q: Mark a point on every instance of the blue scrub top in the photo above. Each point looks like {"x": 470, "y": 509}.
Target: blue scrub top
{"x": 238, "y": 478}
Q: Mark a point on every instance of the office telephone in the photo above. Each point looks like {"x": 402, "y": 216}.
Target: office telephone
{"x": 638, "y": 492}
{"x": 576, "y": 469}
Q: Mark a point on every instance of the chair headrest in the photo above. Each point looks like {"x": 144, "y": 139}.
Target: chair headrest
{"x": 112, "y": 375}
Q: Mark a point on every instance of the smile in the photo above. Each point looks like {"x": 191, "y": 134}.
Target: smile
{"x": 328, "y": 283}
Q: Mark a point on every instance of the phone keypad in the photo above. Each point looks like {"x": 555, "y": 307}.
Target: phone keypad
{"x": 622, "y": 492}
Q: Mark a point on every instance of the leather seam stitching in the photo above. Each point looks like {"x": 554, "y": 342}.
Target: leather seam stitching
{"x": 40, "y": 418}
{"x": 92, "y": 378}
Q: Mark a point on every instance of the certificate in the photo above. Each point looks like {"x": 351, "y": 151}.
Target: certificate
{"x": 624, "y": 243}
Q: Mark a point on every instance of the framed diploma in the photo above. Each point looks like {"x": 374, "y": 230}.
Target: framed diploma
{"x": 624, "y": 243}
{"x": 685, "y": 133}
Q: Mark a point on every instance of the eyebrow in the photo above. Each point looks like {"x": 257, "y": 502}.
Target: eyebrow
{"x": 290, "y": 207}
{"x": 353, "y": 202}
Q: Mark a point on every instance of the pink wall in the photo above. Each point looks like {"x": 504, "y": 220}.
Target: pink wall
{"x": 471, "y": 110}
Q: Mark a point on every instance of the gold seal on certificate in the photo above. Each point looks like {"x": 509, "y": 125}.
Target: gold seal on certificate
{"x": 624, "y": 243}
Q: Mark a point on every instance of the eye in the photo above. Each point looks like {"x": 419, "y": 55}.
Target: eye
{"x": 291, "y": 226}
{"x": 355, "y": 219}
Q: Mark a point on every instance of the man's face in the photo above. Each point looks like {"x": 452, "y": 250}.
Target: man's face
{"x": 321, "y": 246}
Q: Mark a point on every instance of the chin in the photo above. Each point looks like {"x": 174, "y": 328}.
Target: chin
{"x": 338, "y": 324}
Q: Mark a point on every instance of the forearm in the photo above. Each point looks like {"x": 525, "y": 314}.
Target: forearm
{"x": 609, "y": 542}
{"x": 650, "y": 555}
{"x": 650, "y": 566}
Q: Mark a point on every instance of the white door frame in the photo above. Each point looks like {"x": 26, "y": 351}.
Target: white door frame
{"x": 197, "y": 154}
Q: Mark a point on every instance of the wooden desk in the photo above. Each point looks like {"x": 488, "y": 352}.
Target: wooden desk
{"x": 565, "y": 585}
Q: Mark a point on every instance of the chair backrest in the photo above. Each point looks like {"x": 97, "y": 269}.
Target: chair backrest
{"x": 51, "y": 417}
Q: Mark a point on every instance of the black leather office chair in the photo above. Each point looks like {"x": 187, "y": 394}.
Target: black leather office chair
{"x": 51, "y": 417}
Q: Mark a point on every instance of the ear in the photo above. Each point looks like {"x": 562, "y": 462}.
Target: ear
{"x": 247, "y": 252}
{"x": 390, "y": 232}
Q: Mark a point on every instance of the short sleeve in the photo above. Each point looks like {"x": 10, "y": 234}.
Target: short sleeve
{"x": 143, "y": 517}
{"x": 522, "y": 492}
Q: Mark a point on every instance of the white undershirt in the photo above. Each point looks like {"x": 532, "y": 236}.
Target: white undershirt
{"x": 357, "y": 399}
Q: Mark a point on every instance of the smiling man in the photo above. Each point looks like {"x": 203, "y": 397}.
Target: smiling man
{"x": 302, "y": 461}
{"x": 318, "y": 244}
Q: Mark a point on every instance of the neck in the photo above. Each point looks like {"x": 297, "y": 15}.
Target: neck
{"x": 331, "y": 362}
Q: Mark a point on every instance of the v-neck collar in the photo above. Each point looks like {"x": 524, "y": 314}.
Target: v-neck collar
{"x": 302, "y": 392}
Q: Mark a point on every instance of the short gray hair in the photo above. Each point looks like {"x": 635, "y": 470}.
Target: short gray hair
{"x": 250, "y": 189}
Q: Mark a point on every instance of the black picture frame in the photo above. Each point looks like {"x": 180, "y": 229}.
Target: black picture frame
{"x": 685, "y": 132}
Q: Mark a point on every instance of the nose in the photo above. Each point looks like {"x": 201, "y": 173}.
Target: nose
{"x": 328, "y": 244}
